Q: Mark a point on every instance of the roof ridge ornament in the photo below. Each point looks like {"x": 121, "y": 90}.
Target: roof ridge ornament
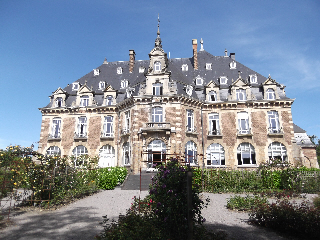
{"x": 158, "y": 39}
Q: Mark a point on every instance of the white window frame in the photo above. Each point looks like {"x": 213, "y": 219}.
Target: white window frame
{"x": 277, "y": 150}
{"x": 108, "y": 126}
{"x": 190, "y": 120}
{"x": 96, "y": 72}
{"x": 212, "y": 94}
{"x": 253, "y": 78}
{"x": 233, "y": 65}
{"x": 157, "y": 114}
{"x": 84, "y": 101}
{"x": 208, "y": 66}
{"x": 271, "y": 95}
{"x": 75, "y": 86}
{"x": 274, "y": 123}
{"x": 102, "y": 85}
{"x": 199, "y": 81}
{"x": 58, "y": 102}
{"x": 191, "y": 153}
{"x": 141, "y": 69}
{"x": 246, "y": 154}
{"x": 243, "y": 123}
{"x": 184, "y": 67}
{"x": 106, "y": 156}
{"x": 156, "y": 147}
{"x": 223, "y": 80}
{"x": 215, "y": 155}
{"x": 157, "y": 66}
{"x": 56, "y": 128}
{"x": 126, "y": 153}
{"x": 53, "y": 151}
{"x": 119, "y": 70}
{"x": 109, "y": 100}
{"x": 157, "y": 89}
{"x": 241, "y": 94}
{"x": 77, "y": 152}
{"x": 214, "y": 128}
{"x": 189, "y": 89}
{"x": 124, "y": 83}
{"x": 127, "y": 121}
{"x": 82, "y": 127}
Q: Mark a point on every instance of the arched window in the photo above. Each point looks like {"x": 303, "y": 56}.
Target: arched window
{"x": 126, "y": 153}
{"x": 191, "y": 153}
{"x": 157, "y": 66}
{"x": 53, "y": 151}
{"x": 107, "y": 156}
{"x": 246, "y": 154}
{"x": 270, "y": 94}
{"x": 156, "y": 152}
{"x": 277, "y": 151}
{"x": 215, "y": 155}
{"x": 241, "y": 94}
{"x": 77, "y": 152}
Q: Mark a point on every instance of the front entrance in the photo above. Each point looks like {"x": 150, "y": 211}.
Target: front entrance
{"x": 106, "y": 156}
{"x": 156, "y": 153}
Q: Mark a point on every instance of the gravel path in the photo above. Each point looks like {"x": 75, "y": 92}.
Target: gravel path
{"x": 80, "y": 220}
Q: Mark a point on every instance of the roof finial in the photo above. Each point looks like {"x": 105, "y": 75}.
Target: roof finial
{"x": 158, "y": 33}
{"x": 201, "y": 42}
{"x": 158, "y": 39}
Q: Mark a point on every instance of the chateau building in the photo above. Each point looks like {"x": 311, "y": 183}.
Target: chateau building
{"x": 211, "y": 110}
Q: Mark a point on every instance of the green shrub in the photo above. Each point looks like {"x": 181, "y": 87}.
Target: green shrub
{"x": 109, "y": 178}
{"x": 245, "y": 203}
{"x": 316, "y": 202}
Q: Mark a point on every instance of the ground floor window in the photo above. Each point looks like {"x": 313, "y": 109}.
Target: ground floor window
{"x": 156, "y": 153}
{"x": 126, "y": 153}
{"x": 53, "y": 151}
{"x": 78, "y": 153}
{"x": 277, "y": 151}
{"x": 215, "y": 155}
{"x": 246, "y": 154}
{"x": 191, "y": 153}
{"x": 107, "y": 156}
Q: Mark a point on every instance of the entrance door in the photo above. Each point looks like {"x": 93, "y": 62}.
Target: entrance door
{"x": 156, "y": 153}
{"x": 106, "y": 156}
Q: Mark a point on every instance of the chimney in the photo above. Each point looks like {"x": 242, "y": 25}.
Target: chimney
{"x": 195, "y": 53}
{"x": 233, "y": 56}
{"x": 132, "y": 55}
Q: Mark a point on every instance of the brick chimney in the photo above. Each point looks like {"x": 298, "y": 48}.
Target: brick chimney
{"x": 195, "y": 53}
{"x": 132, "y": 57}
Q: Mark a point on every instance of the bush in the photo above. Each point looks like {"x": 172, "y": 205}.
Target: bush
{"x": 245, "y": 203}
{"x": 109, "y": 178}
{"x": 316, "y": 202}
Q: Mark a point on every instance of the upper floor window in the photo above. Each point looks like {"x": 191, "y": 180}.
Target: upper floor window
{"x": 253, "y": 78}
{"x": 246, "y": 154}
{"x": 96, "y": 72}
{"x": 157, "y": 66}
{"x": 243, "y": 123}
{"x": 215, "y": 155}
{"x": 119, "y": 70}
{"x": 157, "y": 114}
{"x": 223, "y": 80}
{"x": 102, "y": 85}
{"x": 124, "y": 83}
{"x": 212, "y": 96}
{"x": 84, "y": 101}
{"x": 127, "y": 120}
{"x": 199, "y": 81}
{"x": 108, "y": 126}
{"x": 209, "y": 66}
{"x": 190, "y": 120}
{"x": 109, "y": 100}
{"x": 214, "y": 124}
{"x": 75, "y": 86}
{"x": 53, "y": 151}
{"x": 59, "y": 102}
{"x": 157, "y": 89}
{"x": 141, "y": 69}
{"x": 191, "y": 152}
{"x": 277, "y": 151}
{"x": 56, "y": 126}
{"x": 241, "y": 94}
{"x": 270, "y": 94}
{"x": 82, "y": 127}
{"x": 273, "y": 118}
{"x": 126, "y": 153}
{"x": 233, "y": 65}
{"x": 184, "y": 67}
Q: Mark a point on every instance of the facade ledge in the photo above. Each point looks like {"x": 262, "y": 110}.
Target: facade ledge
{"x": 54, "y": 137}
{"x": 80, "y": 137}
{"x": 156, "y": 127}
{"x": 244, "y": 133}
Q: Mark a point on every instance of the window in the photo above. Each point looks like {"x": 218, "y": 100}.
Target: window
{"x": 277, "y": 151}
{"x": 127, "y": 121}
{"x": 190, "y": 121}
{"x": 209, "y": 66}
{"x": 157, "y": 89}
{"x": 214, "y": 124}
{"x": 215, "y": 155}
{"x": 75, "y": 86}
{"x": 191, "y": 153}
{"x": 126, "y": 153}
{"x": 77, "y": 152}
{"x": 156, "y": 152}
{"x": 199, "y": 81}
{"x": 212, "y": 96}
{"x": 96, "y": 72}
{"x": 56, "y": 125}
{"x": 189, "y": 90}
{"x": 108, "y": 127}
{"x": 270, "y": 94}
{"x": 59, "y": 102}
{"x": 157, "y": 114}
{"x": 109, "y": 100}
{"x": 243, "y": 123}
{"x": 124, "y": 83}
{"x": 82, "y": 127}
{"x": 273, "y": 122}
{"x": 106, "y": 156}
{"x": 184, "y": 67}
{"x": 157, "y": 66}
{"x": 223, "y": 80}
{"x": 233, "y": 65}
{"x": 246, "y": 154}
{"x": 241, "y": 94}
{"x": 102, "y": 85}
{"x": 53, "y": 151}
{"x": 141, "y": 69}
{"x": 84, "y": 101}
{"x": 119, "y": 70}
{"x": 253, "y": 78}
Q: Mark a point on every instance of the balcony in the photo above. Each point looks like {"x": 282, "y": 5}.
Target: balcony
{"x": 157, "y": 127}
{"x": 80, "y": 136}
{"x": 214, "y": 133}
{"x": 54, "y": 137}
{"x": 274, "y": 132}
{"x": 244, "y": 132}
{"x": 191, "y": 130}
{"x": 106, "y": 135}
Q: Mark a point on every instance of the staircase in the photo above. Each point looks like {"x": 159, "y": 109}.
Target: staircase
{"x": 133, "y": 181}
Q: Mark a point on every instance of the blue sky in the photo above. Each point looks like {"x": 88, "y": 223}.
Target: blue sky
{"x": 49, "y": 44}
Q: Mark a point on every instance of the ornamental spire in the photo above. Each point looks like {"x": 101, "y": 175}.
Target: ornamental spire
{"x": 158, "y": 39}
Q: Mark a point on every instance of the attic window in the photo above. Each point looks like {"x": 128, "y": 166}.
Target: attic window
{"x": 102, "y": 85}
{"x": 209, "y": 66}
{"x": 184, "y": 67}
{"x": 75, "y": 86}
{"x": 124, "y": 83}
{"x": 119, "y": 70}
{"x": 241, "y": 94}
{"x": 157, "y": 66}
{"x": 223, "y": 80}
{"x": 84, "y": 101}
{"x": 109, "y": 100}
{"x": 199, "y": 81}
{"x": 233, "y": 65}
{"x": 59, "y": 102}
{"x": 270, "y": 94}
{"x": 253, "y": 78}
{"x": 96, "y": 72}
{"x": 212, "y": 96}
{"x": 189, "y": 90}
{"x": 141, "y": 69}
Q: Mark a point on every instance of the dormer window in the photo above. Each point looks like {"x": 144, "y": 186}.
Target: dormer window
{"x": 109, "y": 100}
{"x": 189, "y": 90}
{"x": 253, "y": 78}
{"x": 59, "y": 102}
{"x": 102, "y": 85}
{"x": 84, "y": 101}
{"x": 212, "y": 96}
{"x": 270, "y": 94}
{"x": 96, "y": 72}
{"x": 184, "y": 67}
{"x": 157, "y": 89}
{"x": 75, "y": 86}
{"x": 119, "y": 70}
{"x": 233, "y": 65}
{"x": 124, "y": 83}
{"x": 141, "y": 69}
{"x": 241, "y": 94}
{"x": 157, "y": 66}
{"x": 199, "y": 81}
{"x": 223, "y": 80}
{"x": 209, "y": 66}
